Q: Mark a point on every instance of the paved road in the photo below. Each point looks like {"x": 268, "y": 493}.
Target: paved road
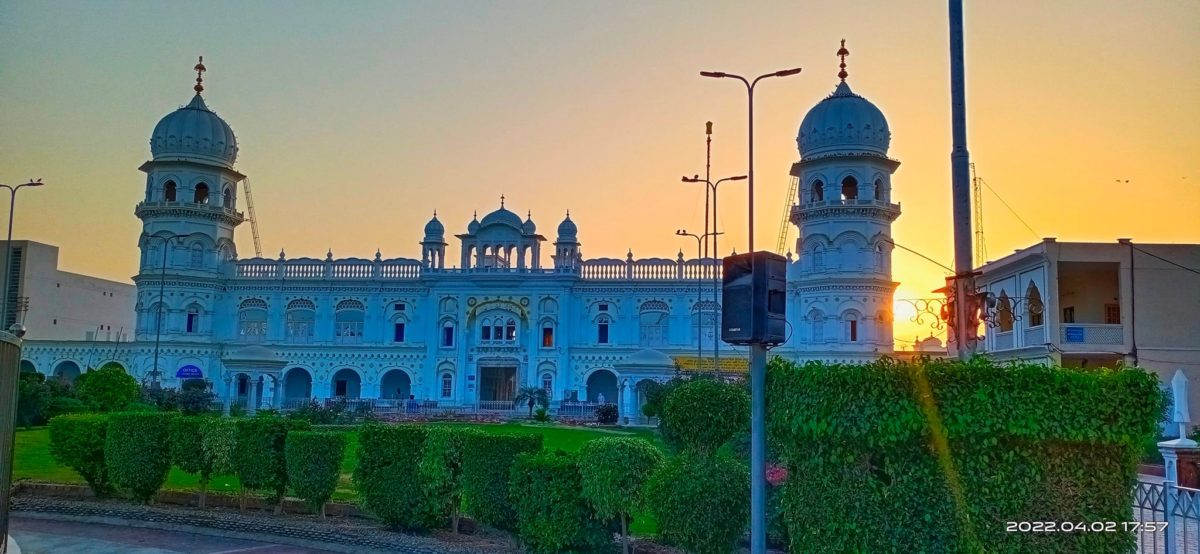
{"x": 42, "y": 536}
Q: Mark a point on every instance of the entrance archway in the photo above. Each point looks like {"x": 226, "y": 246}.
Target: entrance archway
{"x": 497, "y": 384}
{"x": 297, "y": 384}
{"x": 346, "y": 383}
{"x": 67, "y": 370}
{"x": 602, "y": 382}
{"x": 395, "y": 384}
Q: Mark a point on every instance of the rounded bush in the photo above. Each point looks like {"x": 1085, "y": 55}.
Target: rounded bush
{"x": 551, "y": 515}
{"x": 314, "y": 464}
{"x": 487, "y": 461}
{"x": 701, "y": 503}
{"x": 441, "y": 472}
{"x": 219, "y": 441}
{"x": 259, "y": 460}
{"x": 137, "y": 451}
{"x": 606, "y": 414}
{"x": 702, "y": 414}
{"x": 108, "y": 389}
{"x": 614, "y": 471}
{"x": 77, "y": 441}
{"x": 388, "y": 476}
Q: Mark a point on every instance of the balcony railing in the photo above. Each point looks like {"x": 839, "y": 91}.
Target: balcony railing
{"x": 1092, "y": 333}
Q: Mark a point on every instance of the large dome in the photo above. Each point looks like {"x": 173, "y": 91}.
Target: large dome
{"x": 843, "y": 123}
{"x": 196, "y": 133}
{"x": 502, "y": 216}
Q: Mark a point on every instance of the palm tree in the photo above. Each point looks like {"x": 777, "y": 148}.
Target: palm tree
{"x": 532, "y": 396}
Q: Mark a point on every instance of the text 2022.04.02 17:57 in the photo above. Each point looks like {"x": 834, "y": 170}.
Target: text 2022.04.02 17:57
{"x": 1084, "y": 527}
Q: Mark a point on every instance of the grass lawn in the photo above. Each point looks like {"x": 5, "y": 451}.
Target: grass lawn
{"x": 32, "y": 459}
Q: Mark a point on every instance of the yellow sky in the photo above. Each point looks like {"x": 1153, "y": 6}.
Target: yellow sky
{"x": 356, "y": 121}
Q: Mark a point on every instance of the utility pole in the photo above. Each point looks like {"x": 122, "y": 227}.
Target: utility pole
{"x": 960, "y": 170}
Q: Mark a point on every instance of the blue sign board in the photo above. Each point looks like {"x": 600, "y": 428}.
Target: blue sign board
{"x": 189, "y": 372}
{"x": 1072, "y": 334}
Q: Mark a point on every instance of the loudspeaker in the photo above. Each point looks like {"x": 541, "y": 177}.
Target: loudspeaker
{"x": 754, "y": 299}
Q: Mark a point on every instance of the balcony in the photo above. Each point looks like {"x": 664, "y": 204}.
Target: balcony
{"x": 1092, "y": 334}
{"x": 229, "y": 215}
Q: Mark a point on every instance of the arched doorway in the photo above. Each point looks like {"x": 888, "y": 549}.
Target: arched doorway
{"x": 245, "y": 388}
{"x": 297, "y": 384}
{"x": 395, "y": 384}
{"x": 602, "y": 384}
{"x": 28, "y": 367}
{"x": 346, "y": 383}
{"x": 67, "y": 371}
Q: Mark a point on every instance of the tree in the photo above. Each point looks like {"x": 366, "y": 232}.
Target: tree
{"x": 33, "y": 397}
{"x": 532, "y": 396}
{"x": 614, "y": 472}
{"x": 108, "y": 389}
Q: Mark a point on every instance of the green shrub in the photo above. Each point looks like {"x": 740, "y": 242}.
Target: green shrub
{"x": 606, "y": 414}
{"x": 701, "y": 503}
{"x": 77, "y": 441}
{"x": 314, "y": 464}
{"x": 259, "y": 459}
{"x": 388, "y": 476}
{"x": 541, "y": 415}
{"x": 219, "y": 441}
{"x": 193, "y": 401}
{"x": 487, "y": 461}
{"x": 60, "y": 405}
{"x": 441, "y": 472}
{"x": 552, "y": 517}
{"x": 187, "y": 450}
{"x": 937, "y": 455}
{"x": 137, "y": 451}
{"x": 614, "y": 472}
{"x": 108, "y": 389}
{"x": 702, "y": 414}
{"x": 140, "y": 407}
{"x": 33, "y": 397}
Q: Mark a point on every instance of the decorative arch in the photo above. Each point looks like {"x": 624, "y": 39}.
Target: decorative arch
{"x": 346, "y": 383}
{"x": 27, "y": 366}
{"x": 170, "y": 191}
{"x": 252, "y": 320}
{"x": 654, "y": 321}
{"x": 602, "y": 386}
{"x": 816, "y": 321}
{"x": 1034, "y": 308}
{"x": 849, "y": 188}
{"x": 1004, "y": 312}
{"x": 548, "y": 306}
{"x": 227, "y": 196}
{"x": 817, "y": 191}
{"x": 395, "y": 383}
{"x": 297, "y": 384}
{"x": 67, "y": 370}
{"x": 852, "y": 326}
{"x": 449, "y": 305}
{"x": 200, "y": 195}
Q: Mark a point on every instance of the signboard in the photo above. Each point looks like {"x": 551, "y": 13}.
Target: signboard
{"x": 729, "y": 364}
{"x": 1072, "y": 334}
{"x": 189, "y": 372}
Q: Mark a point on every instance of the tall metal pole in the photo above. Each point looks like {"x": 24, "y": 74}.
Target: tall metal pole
{"x": 960, "y": 167}
{"x": 162, "y": 284}
{"x": 699, "y": 291}
{"x": 12, "y": 209}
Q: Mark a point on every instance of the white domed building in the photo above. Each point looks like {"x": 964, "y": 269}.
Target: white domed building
{"x": 280, "y": 331}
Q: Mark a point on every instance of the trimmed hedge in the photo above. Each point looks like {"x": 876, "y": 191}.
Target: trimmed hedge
{"x": 487, "y": 461}
{"x": 702, "y": 414}
{"x": 108, "y": 389}
{"x": 137, "y": 451}
{"x": 552, "y": 516}
{"x": 938, "y": 455}
{"x": 441, "y": 472}
{"x": 314, "y": 464}
{"x": 219, "y": 441}
{"x": 259, "y": 460}
{"x": 701, "y": 502}
{"x": 187, "y": 450}
{"x": 77, "y": 441}
{"x": 614, "y": 471}
{"x": 388, "y": 476}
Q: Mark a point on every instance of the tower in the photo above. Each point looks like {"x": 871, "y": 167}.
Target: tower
{"x": 566, "y": 247}
{"x": 843, "y": 274}
{"x": 433, "y": 246}
{"x": 188, "y": 218}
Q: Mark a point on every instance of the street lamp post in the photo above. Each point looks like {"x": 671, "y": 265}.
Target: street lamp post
{"x": 712, "y": 187}
{"x": 12, "y": 205}
{"x": 158, "y": 318}
{"x": 758, "y": 352}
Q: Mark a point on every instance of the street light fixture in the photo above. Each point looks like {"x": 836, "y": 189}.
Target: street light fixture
{"x": 712, "y": 187}
{"x": 12, "y": 205}
{"x": 758, "y": 352}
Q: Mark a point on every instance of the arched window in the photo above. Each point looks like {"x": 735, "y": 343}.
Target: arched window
{"x": 348, "y": 322}
{"x": 819, "y": 258}
{"x": 817, "y": 320}
{"x": 704, "y": 321}
{"x": 448, "y": 334}
{"x": 602, "y": 324}
{"x": 818, "y": 191}
{"x": 301, "y": 314}
{"x": 227, "y": 197}
{"x": 879, "y": 189}
{"x": 1004, "y": 312}
{"x": 1033, "y": 305}
{"x": 510, "y": 330}
{"x": 252, "y": 320}
{"x": 547, "y": 334}
{"x": 485, "y": 330}
{"x": 849, "y": 188}
{"x": 169, "y": 191}
{"x": 201, "y": 196}
{"x": 548, "y": 384}
{"x": 653, "y": 323}
{"x": 197, "y": 257}
{"x": 851, "y": 323}
{"x": 879, "y": 258}
{"x": 447, "y": 385}
{"x": 155, "y": 316}
{"x": 192, "y": 324}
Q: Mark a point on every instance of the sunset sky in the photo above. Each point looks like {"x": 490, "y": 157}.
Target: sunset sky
{"x": 355, "y": 120}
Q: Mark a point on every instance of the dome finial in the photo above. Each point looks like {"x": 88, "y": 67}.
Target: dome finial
{"x": 501, "y": 200}
{"x": 200, "y": 69}
{"x": 842, "y": 53}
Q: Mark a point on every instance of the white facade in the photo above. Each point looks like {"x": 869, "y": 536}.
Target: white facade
{"x": 505, "y": 317}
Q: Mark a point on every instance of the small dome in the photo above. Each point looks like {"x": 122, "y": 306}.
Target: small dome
{"x": 843, "y": 122}
{"x": 529, "y": 227}
{"x": 434, "y": 229}
{"x": 567, "y": 229}
{"x": 473, "y": 226}
{"x": 194, "y": 132}
{"x": 504, "y": 217}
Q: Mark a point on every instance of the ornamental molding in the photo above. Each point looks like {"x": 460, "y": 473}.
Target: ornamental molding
{"x": 146, "y": 211}
{"x": 801, "y": 214}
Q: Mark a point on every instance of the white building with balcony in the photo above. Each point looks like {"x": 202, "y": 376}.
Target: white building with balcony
{"x": 1091, "y": 305}
{"x": 269, "y": 330}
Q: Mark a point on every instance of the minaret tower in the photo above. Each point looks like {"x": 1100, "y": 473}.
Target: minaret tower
{"x": 843, "y": 273}
{"x": 566, "y": 247}
{"x": 433, "y": 246}
{"x": 188, "y": 219}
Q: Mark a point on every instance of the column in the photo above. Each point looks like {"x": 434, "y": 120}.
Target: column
{"x": 228, "y": 393}
{"x": 252, "y": 401}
